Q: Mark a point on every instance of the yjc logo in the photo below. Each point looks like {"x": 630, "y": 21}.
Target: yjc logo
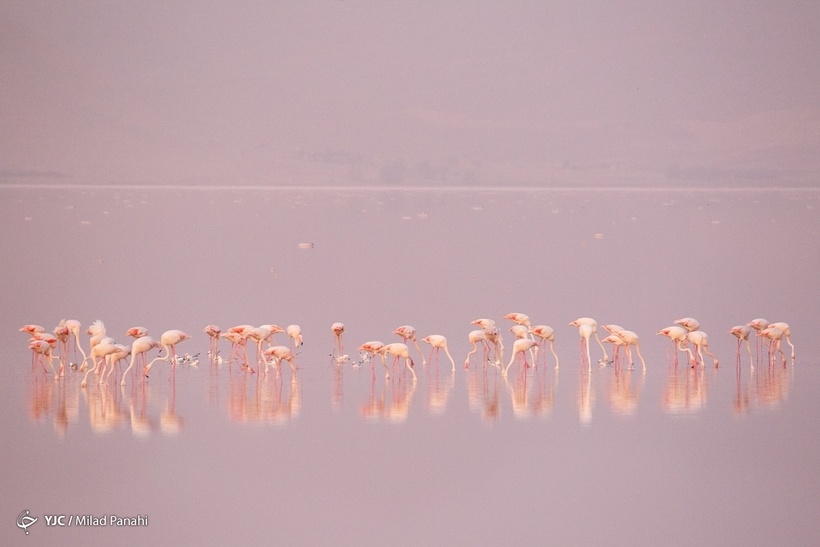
{"x": 24, "y": 520}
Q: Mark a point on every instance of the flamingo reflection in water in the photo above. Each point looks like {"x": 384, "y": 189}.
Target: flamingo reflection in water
{"x": 623, "y": 398}
{"x": 57, "y": 400}
{"x": 396, "y": 409}
{"x": 483, "y": 388}
{"x": 266, "y": 399}
{"x": 586, "y": 396}
{"x": 685, "y": 390}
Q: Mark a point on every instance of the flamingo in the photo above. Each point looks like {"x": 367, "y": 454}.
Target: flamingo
{"x": 63, "y": 336}
{"x": 689, "y": 323}
{"x": 758, "y": 325}
{"x": 617, "y": 343}
{"x": 546, "y": 333}
{"x": 279, "y": 353}
{"x": 701, "y": 340}
{"x": 409, "y": 333}
{"x": 519, "y": 331}
{"x": 100, "y": 351}
{"x": 373, "y": 348}
{"x": 632, "y": 339}
{"x": 295, "y": 334}
{"x": 612, "y": 329}
{"x": 236, "y": 341}
{"x": 585, "y": 331}
{"x": 518, "y": 318}
{"x": 121, "y": 353}
{"x": 593, "y": 325}
{"x": 774, "y": 334}
{"x": 274, "y": 330}
{"x": 741, "y": 332}
{"x": 41, "y": 348}
{"x": 32, "y": 329}
{"x": 74, "y": 326}
{"x": 475, "y": 336}
{"x": 137, "y": 332}
{"x": 338, "y": 329}
{"x": 397, "y": 350}
{"x": 259, "y": 335}
{"x": 493, "y": 335}
{"x": 676, "y": 334}
{"x": 169, "y": 341}
{"x": 243, "y": 331}
{"x": 522, "y": 345}
{"x": 213, "y": 333}
{"x": 483, "y": 323}
{"x": 786, "y": 332}
{"x": 139, "y": 348}
{"x": 438, "y": 342}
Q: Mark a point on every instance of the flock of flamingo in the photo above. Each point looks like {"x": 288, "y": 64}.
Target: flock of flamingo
{"x": 104, "y": 353}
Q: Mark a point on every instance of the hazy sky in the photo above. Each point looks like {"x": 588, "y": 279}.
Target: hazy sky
{"x": 434, "y": 93}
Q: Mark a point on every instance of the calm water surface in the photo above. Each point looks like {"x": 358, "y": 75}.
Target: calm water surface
{"x": 333, "y": 455}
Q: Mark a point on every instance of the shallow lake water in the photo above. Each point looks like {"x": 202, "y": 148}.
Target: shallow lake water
{"x": 336, "y": 454}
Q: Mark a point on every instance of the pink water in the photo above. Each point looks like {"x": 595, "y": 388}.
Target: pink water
{"x": 330, "y": 455}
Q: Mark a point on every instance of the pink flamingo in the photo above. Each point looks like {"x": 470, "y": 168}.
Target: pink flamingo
{"x": 409, "y": 333}
{"x": 518, "y": 318}
{"x": 373, "y": 348}
{"x": 522, "y": 345}
{"x": 476, "y": 336}
{"x": 632, "y": 339}
{"x": 689, "y": 323}
{"x": 593, "y": 325}
{"x": 294, "y": 332}
{"x": 397, "y": 350}
{"x": 338, "y": 347}
{"x": 438, "y": 342}
{"x": 104, "y": 348}
{"x": 677, "y": 335}
{"x": 139, "y": 348}
{"x": 40, "y": 349}
{"x": 169, "y": 341}
{"x": 774, "y": 334}
{"x": 213, "y": 333}
{"x": 63, "y": 336}
{"x": 786, "y": 332}
{"x": 236, "y": 340}
{"x": 701, "y": 341}
{"x": 741, "y": 332}
{"x": 74, "y": 326}
{"x": 119, "y": 355}
{"x": 545, "y": 333}
{"x": 279, "y": 353}
{"x": 137, "y": 332}
{"x": 617, "y": 343}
